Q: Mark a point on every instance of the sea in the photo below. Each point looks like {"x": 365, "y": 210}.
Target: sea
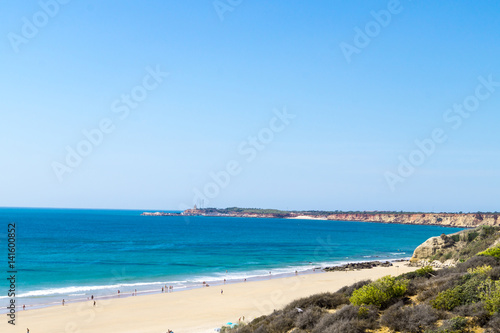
{"x": 74, "y": 254}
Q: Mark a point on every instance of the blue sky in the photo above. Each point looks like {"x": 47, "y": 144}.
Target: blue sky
{"x": 232, "y": 66}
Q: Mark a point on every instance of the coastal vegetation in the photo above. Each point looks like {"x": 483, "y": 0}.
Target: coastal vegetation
{"x": 462, "y": 245}
{"x": 460, "y": 299}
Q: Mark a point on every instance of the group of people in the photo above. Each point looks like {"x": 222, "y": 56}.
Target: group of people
{"x": 167, "y": 289}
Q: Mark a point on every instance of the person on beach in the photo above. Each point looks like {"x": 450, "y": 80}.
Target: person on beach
{"x": 162, "y": 290}
{"x": 27, "y": 330}
{"x": 92, "y": 297}
{"x": 24, "y": 307}
{"x": 63, "y": 302}
{"x": 135, "y": 292}
{"x": 221, "y": 291}
{"x": 94, "y": 303}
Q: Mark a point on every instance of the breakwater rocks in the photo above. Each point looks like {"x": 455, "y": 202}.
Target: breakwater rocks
{"x": 359, "y": 265}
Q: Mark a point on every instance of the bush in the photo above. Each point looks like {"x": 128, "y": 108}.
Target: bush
{"x": 476, "y": 311}
{"x": 494, "y": 324}
{"x": 426, "y": 271}
{"x": 344, "y": 326}
{"x": 492, "y": 252}
{"x": 324, "y": 300}
{"x": 445, "y": 279}
{"x": 481, "y": 270}
{"x": 413, "y": 319}
{"x": 490, "y": 295}
{"x": 380, "y": 292}
{"x": 359, "y": 318}
{"x": 447, "y": 300}
{"x": 477, "y": 261}
{"x": 307, "y": 319}
{"x": 495, "y": 273}
{"x": 472, "y": 235}
{"x": 466, "y": 293}
{"x": 281, "y": 323}
{"x": 348, "y": 290}
{"x": 455, "y": 325}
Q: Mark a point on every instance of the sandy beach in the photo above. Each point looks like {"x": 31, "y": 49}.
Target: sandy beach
{"x": 190, "y": 311}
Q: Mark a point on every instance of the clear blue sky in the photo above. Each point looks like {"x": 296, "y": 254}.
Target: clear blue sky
{"x": 226, "y": 79}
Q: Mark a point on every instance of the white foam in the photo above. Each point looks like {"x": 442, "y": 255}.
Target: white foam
{"x": 75, "y": 290}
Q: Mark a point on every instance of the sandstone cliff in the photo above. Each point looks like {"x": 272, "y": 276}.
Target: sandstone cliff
{"x": 451, "y": 220}
{"x": 457, "y": 247}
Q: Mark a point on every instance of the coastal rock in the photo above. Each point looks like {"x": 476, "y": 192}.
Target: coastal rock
{"x": 430, "y": 247}
{"x": 358, "y": 265}
{"x": 434, "y": 263}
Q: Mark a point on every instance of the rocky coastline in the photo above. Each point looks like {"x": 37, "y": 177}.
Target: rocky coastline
{"x": 360, "y": 265}
{"x": 463, "y": 220}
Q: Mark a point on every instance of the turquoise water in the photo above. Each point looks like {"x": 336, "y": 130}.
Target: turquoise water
{"x": 73, "y": 254}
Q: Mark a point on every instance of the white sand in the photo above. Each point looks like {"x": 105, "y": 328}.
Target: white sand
{"x": 191, "y": 311}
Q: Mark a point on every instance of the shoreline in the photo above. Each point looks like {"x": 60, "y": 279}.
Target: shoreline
{"x": 192, "y": 285}
{"x": 195, "y": 310}
{"x": 450, "y": 220}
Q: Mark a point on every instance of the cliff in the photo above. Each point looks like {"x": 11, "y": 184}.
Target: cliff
{"x": 457, "y": 247}
{"x": 443, "y": 219}
{"x": 446, "y": 219}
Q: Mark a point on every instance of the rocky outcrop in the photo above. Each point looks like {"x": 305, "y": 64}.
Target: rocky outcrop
{"x": 431, "y": 247}
{"x": 451, "y": 220}
{"x": 460, "y": 246}
{"x": 358, "y": 265}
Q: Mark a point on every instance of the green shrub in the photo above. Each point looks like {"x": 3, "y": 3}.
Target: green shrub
{"x": 492, "y": 252}
{"x": 467, "y": 292}
{"x": 380, "y": 292}
{"x": 447, "y": 300}
{"x": 490, "y": 295}
{"x": 348, "y": 290}
{"x": 454, "y": 325}
{"x": 425, "y": 271}
{"x": 480, "y": 270}
{"x": 472, "y": 235}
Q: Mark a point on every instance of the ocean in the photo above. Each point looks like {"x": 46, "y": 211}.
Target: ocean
{"x": 72, "y": 254}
